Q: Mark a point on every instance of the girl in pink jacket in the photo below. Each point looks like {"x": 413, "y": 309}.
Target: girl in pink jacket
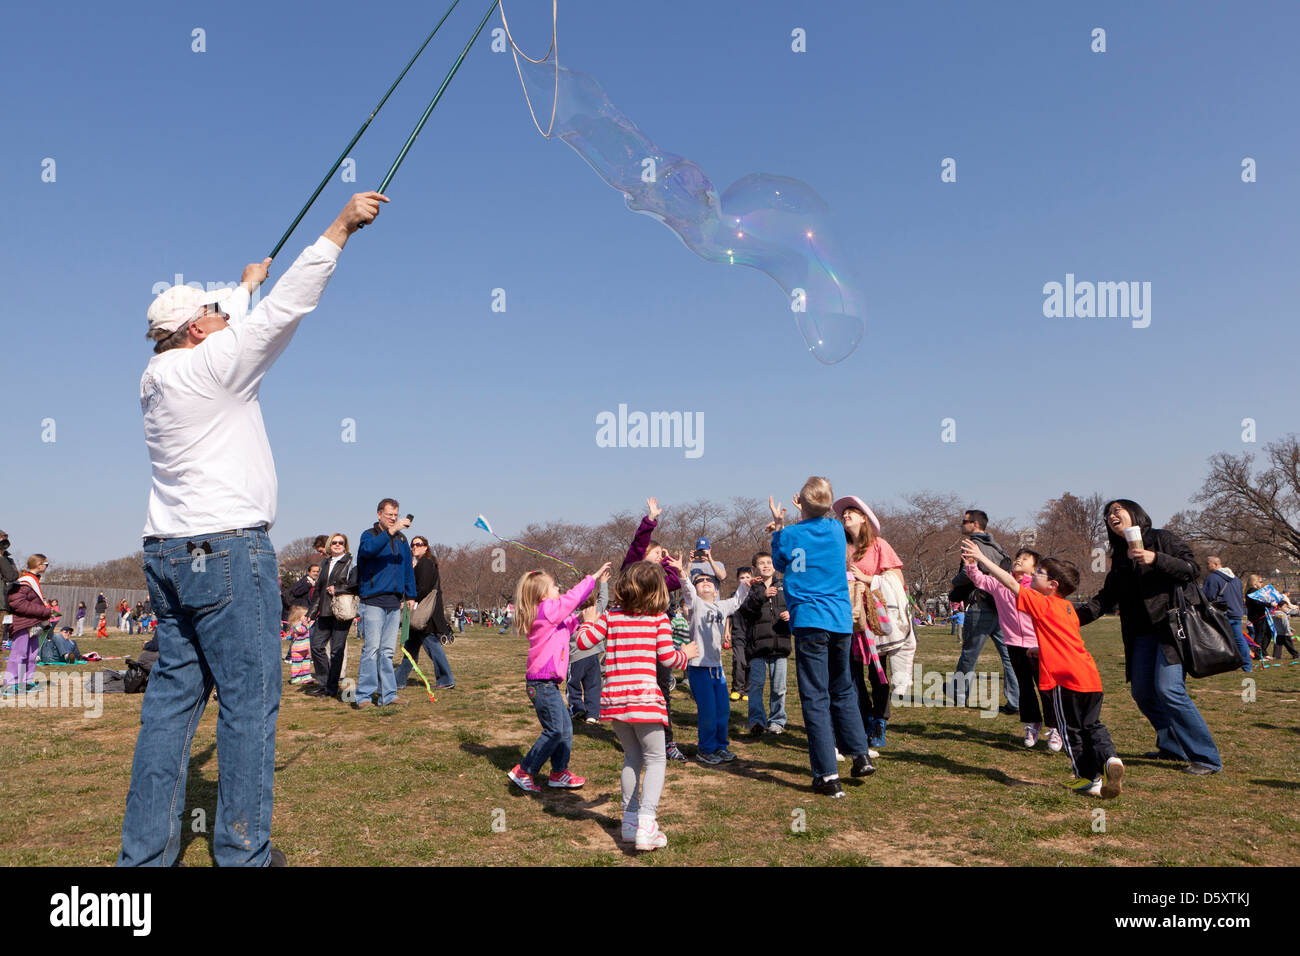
{"x": 1022, "y": 648}
{"x": 549, "y": 619}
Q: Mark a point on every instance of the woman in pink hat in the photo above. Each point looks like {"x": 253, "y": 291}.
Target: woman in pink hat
{"x": 876, "y": 567}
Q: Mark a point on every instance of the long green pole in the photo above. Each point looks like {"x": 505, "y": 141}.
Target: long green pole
{"x": 347, "y": 149}
{"x": 434, "y": 102}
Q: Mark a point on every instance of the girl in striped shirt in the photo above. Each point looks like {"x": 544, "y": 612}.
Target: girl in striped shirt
{"x": 637, "y": 634}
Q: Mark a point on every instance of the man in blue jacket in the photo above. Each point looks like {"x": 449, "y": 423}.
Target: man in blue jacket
{"x": 1223, "y": 587}
{"x": 386, "y": 579}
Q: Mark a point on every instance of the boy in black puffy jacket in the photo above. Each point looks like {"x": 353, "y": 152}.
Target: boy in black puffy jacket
{"x": 770, "y": 643}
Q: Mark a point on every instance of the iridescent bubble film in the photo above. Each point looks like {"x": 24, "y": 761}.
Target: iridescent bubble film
{"x": 776, "y": 224}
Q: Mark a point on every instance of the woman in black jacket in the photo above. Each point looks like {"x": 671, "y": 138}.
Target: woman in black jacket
{"x": 1142, "y": 584}
{"x": 430, "y": 637}
{"x": 329, "y": 638}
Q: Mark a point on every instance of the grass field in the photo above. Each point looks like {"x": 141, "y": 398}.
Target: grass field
{"x": 424, "y": 783}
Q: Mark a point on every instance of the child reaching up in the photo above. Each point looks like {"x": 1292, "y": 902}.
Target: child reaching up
{"x": 637, "y": 636}
{"x": 1022, "y": 647}
{"x": 705, "y": 676}
{"x": 645, "y": 548}
{"x": 548, "y": 619}
{"x": 1065, "y": 668}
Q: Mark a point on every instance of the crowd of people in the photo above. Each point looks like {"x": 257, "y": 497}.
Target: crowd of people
{"x": 839, "y": 606}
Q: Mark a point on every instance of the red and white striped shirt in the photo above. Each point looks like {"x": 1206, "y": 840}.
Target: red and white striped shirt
{"x": 632, "y": 645}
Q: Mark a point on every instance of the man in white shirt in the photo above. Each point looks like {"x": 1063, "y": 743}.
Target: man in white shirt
{"x": 209, "y": 563}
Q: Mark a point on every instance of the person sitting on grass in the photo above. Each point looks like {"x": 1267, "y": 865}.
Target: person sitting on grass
{"x": 1065, "y": 668}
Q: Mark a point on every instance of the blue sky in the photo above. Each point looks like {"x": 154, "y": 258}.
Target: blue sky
{"x": 1123, "y": 165}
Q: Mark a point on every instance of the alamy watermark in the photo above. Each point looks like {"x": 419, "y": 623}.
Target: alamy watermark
{"x": 64, "y": 690}
{"x": 626, "y": 429}
{"x": 1102, "y": 300}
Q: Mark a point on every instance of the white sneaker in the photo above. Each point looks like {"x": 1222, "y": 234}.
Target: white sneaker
{"x": 839, "y": 757}
{"x": 650, "y": 839}
{"x": 1054, "y": 741}
{"x": 1031, "y": 734}
{"x": 1112, "y": 779}
{"x": 629, "y": 827}
{"x": 873, "y": 754}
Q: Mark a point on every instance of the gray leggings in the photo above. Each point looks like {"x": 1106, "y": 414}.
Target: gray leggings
{"x": 643, "y": 747}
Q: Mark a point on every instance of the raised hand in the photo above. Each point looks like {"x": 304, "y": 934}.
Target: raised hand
{"x": 602, "y": 573}
{"x": 652, "y": 508}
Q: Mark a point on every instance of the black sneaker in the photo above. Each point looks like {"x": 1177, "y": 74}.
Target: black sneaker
{"x": 829, "y": 788}
{"x": 1009, "y": 710}
{"x": 862, "y": 766}
{"x": 756, "y": 730}
{"x": 277, "y": 857}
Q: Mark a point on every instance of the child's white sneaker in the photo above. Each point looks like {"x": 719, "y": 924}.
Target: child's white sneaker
{"x": 1031, "y": 733}
{"x": 649, "y": 836}
{"x": 629, "y": 826}
{"x": 1112, "y": 779}
{"x": 1054, "y": 741}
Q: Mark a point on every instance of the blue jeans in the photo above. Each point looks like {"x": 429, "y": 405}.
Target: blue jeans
{"x": 378, "y": 645}
{"x": 1243, "y": 646}
{"x": 584, "y": 686}
{"x": 1160, "y": 692}
{"x": 218, "y": 626}
{"x": 827, "y": 698}
{"x": 759, "y": 668}
{"x": 556, "y": 742}
{"x": 432, "y": 645}
{"x": 981, "y": 624}
{"x": 709, "y": 688}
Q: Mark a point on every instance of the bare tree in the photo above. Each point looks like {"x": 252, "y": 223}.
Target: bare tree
{"x": 1256, "y": 513}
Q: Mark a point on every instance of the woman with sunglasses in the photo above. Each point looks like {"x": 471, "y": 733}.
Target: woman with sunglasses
{"x": 431, "y": 637}
{"x": 329, "y": 640}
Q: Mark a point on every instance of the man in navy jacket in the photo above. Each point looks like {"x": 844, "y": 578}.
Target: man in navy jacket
{"x": 1223, "y": 587}
{"x": 386, "y": 579}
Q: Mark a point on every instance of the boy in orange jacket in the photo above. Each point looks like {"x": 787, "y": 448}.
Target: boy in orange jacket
{"x": 1066, "y": 669}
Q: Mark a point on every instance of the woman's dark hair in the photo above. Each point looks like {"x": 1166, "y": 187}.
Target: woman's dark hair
{"x": 1118, "y": 546}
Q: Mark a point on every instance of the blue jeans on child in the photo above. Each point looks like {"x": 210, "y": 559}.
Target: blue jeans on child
{"x": 556, "y": 742}
{"x": 759, "y": 669}
{"x": 584, "y": 686}
{"x": 828, "y": 698}
{"x": 1160, "y": 692}
{"x": 709, "y": 688}
{"x": 218, "y": 625}
{"x": 378, "y": 645}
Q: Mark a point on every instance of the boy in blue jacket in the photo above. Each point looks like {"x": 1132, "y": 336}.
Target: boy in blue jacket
{"x": 386, "y": 579}
{"x": 812, "y": 556}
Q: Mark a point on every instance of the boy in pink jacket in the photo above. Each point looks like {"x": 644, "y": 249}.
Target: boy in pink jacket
{"x": 549, "y": 620}
{"x": 1022, "y": 647}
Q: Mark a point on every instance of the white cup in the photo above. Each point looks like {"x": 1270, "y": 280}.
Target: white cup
{"x": 1133, "y": 534}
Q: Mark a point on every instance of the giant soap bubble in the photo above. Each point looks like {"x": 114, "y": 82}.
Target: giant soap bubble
{"x": 772, "y": 223}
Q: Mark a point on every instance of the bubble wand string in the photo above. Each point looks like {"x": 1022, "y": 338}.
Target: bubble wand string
{"x": 483, "y": 523}
{"x": 416, "y": 667}
{"x": 348, "y": 148}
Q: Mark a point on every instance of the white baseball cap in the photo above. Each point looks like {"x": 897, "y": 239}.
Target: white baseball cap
{"x": 179, "y": 305}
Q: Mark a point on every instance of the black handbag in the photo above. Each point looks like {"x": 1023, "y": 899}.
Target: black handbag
{"x": 1203, "y": 637}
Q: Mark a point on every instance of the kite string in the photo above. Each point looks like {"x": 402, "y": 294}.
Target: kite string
{"x": 416, "y": 667}
{"x": 517, "y": 53}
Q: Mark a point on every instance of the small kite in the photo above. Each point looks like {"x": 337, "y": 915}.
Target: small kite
{"x": 483, "y": 523}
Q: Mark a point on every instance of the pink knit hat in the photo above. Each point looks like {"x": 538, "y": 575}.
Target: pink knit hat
{"x": 853, "y": 501}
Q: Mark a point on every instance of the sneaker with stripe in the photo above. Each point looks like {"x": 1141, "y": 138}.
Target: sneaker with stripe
{"x": 565, "y": 779}
{"x": 523, "y": 780}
